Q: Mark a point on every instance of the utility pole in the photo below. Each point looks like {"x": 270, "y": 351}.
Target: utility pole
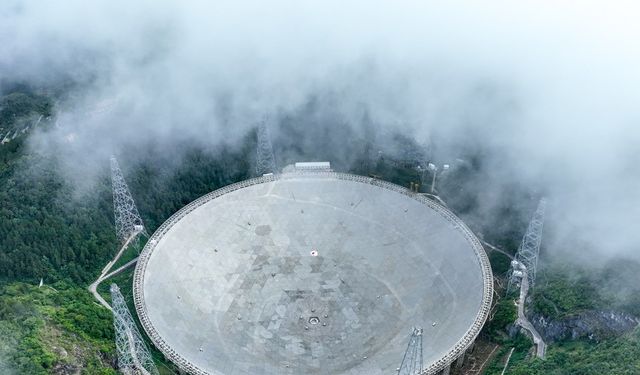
{"x": 127, "y": 219}
{"x": 526, "y": 260}
{"x": 265, "y": 159}
{"x": 412, "y": 362}
{"x": 434, "y": 170}
{"x": 133, "y": 354}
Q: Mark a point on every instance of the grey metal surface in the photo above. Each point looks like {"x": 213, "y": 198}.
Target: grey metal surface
{"x": 311, "y": 273}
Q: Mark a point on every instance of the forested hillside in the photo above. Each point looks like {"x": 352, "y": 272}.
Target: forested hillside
{"x": 43, "y": 232}
{"x": 54, "y": 329}
{"x": 617, "y": 356}
{"x": 51, "y": 230}
{"x": 47, "y": 231}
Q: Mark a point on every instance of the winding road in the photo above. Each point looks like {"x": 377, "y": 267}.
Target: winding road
{"x": 93, "y": 288}
{"x": 494, "y": 248}
{"x": 523, "y": 322}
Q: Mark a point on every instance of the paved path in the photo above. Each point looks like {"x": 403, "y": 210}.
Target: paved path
{"x": 523, "y": 322}
{"x": 93, "y": 288}
{"x": 506, "y": 364}
{"x": 490, "y": 246}
{"x": 134, "y": 355}
{"x": 121, "y": 268}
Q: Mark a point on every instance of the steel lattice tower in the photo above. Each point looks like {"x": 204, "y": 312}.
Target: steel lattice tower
{"x": 265, "y": 160}
{"x": 133, "y": 354}
{"x": 127, "y": 218}
{"x": 412, "y": 360}
{"x": 526, "y": 261}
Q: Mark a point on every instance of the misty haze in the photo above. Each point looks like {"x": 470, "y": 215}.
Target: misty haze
{"x": 286, "y": 187}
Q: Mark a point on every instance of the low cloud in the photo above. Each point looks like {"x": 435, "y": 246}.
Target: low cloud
{"x": 547, "y": 91}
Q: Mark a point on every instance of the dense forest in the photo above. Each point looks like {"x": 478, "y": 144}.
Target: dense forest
{"x": 49, "y": 231}
{"x": 54, "y": 329}
{"x": 46, "y": 231}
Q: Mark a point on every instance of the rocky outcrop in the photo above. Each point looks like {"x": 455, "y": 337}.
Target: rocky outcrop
{"x": 66, "y": 369}
{"x": 591, "y": 325}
